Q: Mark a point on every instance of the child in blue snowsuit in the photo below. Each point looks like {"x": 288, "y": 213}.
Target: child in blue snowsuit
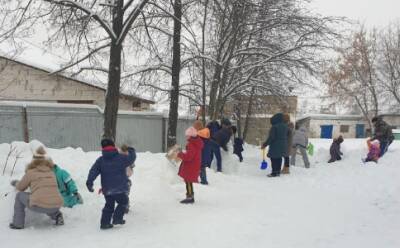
{"x": 114, "y": 182}
{"x": 67, "y": 187}
{"x": 237, "y": 145}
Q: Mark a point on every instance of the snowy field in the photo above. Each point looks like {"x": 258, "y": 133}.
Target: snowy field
{"x": 346, "y": 204}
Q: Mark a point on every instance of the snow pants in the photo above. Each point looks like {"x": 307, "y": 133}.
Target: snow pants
{"x": 203, "y": 175}
{"x": 384, "y": 148}
{"x": 216, "y": 150}
{"x": 109, "y": 210}
{"x": 303, "y": 154}
{"x": 276, "y": 166}
{"x": 22, "y": 202}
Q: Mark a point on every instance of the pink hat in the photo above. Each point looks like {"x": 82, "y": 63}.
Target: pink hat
{"x": 375, "y": 142}
{"x": 191, "y": 132}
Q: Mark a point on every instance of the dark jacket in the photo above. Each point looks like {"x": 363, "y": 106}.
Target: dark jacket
{"x": 112, "y": 168}
{"x": 214, "y": 127}
{"x": 335, "y": 152}
{"x": 383, "y": 132}
{"x": 222, "y": 137}
{"x": 237, "y": 146}
{"x": 278, "y": 137}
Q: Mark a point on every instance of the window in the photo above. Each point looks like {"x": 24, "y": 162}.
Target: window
{"x": 344, "y": 128}
{"x": 76, "y": 101}
{"x": 136, "y": 104}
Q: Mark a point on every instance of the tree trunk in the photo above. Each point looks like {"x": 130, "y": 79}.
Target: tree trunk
{"x": 248, "y": 113}
{"x": 203, "y": 44}
{"x": 114, "y": 75}
{"x": 176, "y": 68}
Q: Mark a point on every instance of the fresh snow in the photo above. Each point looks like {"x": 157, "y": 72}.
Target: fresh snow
{"x": 346, "y": 204}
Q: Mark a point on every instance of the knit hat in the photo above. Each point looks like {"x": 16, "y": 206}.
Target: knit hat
{"x": 40, "y": 153}
{"x": 107, "y": 142}
{"x": 198, "y": 125}
{"x": 204, "y": 133}
{"x": 375, "y": 142}
{"x": 191, "y": 132}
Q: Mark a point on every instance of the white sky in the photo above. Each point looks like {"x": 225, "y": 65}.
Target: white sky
{"x": 370, "y": 12}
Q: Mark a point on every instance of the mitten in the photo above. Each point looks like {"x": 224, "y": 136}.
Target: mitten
{"x": 89, "y": 187}
{"x": 14, "y": 183}
{"x": 78, "y": 197}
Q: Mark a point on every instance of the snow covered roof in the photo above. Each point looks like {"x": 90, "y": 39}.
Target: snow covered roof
{"x": 39, "y": 66}
{"x": 330, "y": 117}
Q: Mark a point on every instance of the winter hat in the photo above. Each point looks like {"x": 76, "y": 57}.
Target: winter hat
{"x": 204, "y": 133}
{"x": 191, "y": 132}
{"x": 40, "y": 153}
{"x": 107, "y": 142}
{"x": 198, "y": 125}
{"x": 286, "y": 118}
{"x": 375, "y": 142}
{"x": 226, "y": 122}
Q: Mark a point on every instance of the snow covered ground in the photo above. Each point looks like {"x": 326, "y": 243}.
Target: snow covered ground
{"x": 346, "y": 204}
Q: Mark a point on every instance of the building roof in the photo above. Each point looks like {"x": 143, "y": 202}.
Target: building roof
{"x": 330, "y": 117}
{"x": 92, "y": 83}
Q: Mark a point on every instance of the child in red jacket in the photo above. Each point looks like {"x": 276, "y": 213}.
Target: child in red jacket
{"x": 191, "y": 163}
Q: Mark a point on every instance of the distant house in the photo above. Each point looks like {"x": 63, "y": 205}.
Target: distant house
{"x": 392, "y": 119}
{"x": 23, "y": 81}
{"x": 327, "y": 126}
{"x": 264, "y": 108}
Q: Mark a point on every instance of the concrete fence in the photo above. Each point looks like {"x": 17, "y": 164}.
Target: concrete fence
{"x": 70, "y": 125}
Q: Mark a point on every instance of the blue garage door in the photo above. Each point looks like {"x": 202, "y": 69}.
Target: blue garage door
{"x": 360, "y": 131}
{"x": 326, "y": 131}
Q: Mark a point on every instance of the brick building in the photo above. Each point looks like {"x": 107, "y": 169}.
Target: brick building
{"x": 23, "y": 81}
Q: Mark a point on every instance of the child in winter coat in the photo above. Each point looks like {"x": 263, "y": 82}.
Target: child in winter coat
{"x": 67, "y": 187}
{"x": 191, "y": 162}
{"x": 335, "y": 152}
{"x": 114, "y": 182}
{"x": 237, "y": 144}
{"x": 300, "y": 142}
{"x": 129, "y": 173}
{"x": 44, "y": 196}
{"x": 374, "y": 150}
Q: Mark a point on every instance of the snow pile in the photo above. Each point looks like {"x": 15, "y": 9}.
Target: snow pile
{"x": 346, "y": 204}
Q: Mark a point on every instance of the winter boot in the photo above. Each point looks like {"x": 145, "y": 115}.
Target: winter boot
{"x": 285, "y": 170}
{"x": 12, "y": 226}
{"x": 59, "y": 219}
{"x": 106, "y": 226}
{"x": 119, "y": 222}
{"x": 273, "y": 175}
{"x": 189, "y": 199}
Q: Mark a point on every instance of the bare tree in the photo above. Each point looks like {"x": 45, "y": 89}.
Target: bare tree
{"x": 353, "y": 75}
{"x": 89, "y": 27}
{"x": 389, "y": 64}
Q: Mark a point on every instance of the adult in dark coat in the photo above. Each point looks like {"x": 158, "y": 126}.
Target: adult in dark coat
{"x": 114, "y": 181}
{"x": 383, "y": 133}
{"x": 220, "y": 140}
{"x": 277, "y": 141}
{"x": 334, "y": 150}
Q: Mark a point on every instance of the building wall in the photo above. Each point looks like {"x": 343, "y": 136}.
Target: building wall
{"x": 393, "y": 120}
{"x": 68, "y": 125}
{"x": 20, "y": 82}
{"x": 314, "y": 127}
{"x": 264, "y": 108}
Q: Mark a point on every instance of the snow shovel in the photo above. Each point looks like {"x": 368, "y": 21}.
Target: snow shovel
{"x": 264, "y": 164}
{"x": 310, "y": 149}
